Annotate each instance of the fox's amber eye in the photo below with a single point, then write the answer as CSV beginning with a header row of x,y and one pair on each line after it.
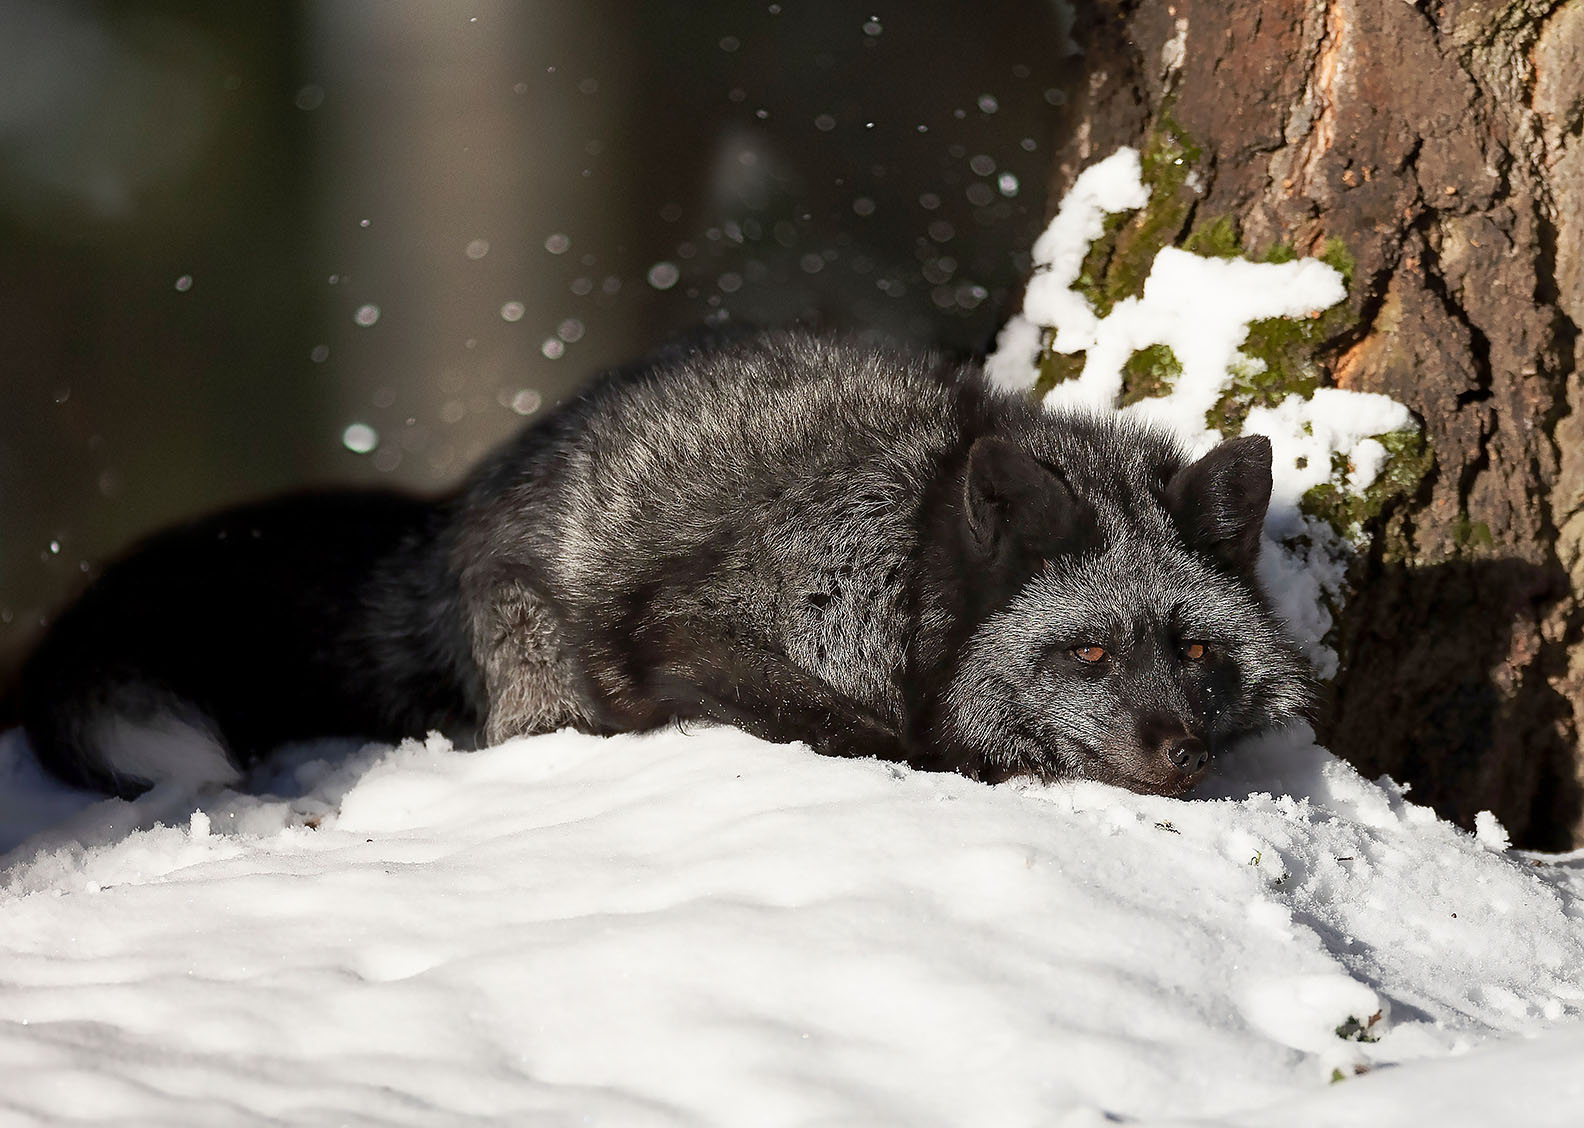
x,y
1090,654
1195,651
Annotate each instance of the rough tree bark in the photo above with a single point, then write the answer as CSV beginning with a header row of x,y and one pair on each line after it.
x,y
1434,149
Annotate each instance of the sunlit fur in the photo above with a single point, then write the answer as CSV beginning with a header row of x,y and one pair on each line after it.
x,y
859,547
774,534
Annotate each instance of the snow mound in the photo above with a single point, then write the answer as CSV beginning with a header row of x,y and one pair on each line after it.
x,y
701,928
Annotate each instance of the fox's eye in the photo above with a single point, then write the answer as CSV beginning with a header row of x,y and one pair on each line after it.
x,y
1090,654
1195,651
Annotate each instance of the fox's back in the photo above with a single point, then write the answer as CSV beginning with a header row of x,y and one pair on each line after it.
x,y
770,489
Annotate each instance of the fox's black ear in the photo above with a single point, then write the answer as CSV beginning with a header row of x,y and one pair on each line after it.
x,y
1219,502
1012,503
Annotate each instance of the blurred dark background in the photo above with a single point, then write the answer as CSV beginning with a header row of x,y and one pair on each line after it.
x,y
246,247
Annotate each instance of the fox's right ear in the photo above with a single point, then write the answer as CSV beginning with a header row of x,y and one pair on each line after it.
x,y
1219,502
1013,504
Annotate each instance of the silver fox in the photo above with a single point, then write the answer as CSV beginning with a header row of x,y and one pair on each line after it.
x,y
862,548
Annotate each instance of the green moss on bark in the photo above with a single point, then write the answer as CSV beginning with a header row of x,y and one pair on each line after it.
x,y
1120,260
1215,239
1149,372
1355,516
1286,346
1472,535
1056,368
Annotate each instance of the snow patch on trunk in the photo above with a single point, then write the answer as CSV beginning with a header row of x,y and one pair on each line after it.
x,y
1201,308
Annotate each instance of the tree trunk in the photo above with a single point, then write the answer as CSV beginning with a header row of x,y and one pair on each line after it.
x,y
1434,151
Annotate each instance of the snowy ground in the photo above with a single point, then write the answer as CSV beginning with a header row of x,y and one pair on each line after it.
x,y
700,928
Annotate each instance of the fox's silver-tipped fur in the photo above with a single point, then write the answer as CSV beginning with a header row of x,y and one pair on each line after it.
x,y
1140,603
819,540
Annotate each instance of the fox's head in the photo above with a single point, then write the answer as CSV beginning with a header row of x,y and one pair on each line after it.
x,y
1124,638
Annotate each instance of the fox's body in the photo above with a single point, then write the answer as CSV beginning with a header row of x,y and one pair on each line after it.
x,y
863,549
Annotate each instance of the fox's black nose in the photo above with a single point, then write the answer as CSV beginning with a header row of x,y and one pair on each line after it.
x,y
1189,754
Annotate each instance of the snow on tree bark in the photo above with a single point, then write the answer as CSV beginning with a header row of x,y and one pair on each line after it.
x,y
1436,148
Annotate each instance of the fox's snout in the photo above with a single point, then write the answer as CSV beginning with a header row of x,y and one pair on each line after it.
x,y
1188,754
1173,759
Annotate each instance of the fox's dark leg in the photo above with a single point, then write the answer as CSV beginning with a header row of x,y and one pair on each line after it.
x,y
528,679
829,731
774,700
